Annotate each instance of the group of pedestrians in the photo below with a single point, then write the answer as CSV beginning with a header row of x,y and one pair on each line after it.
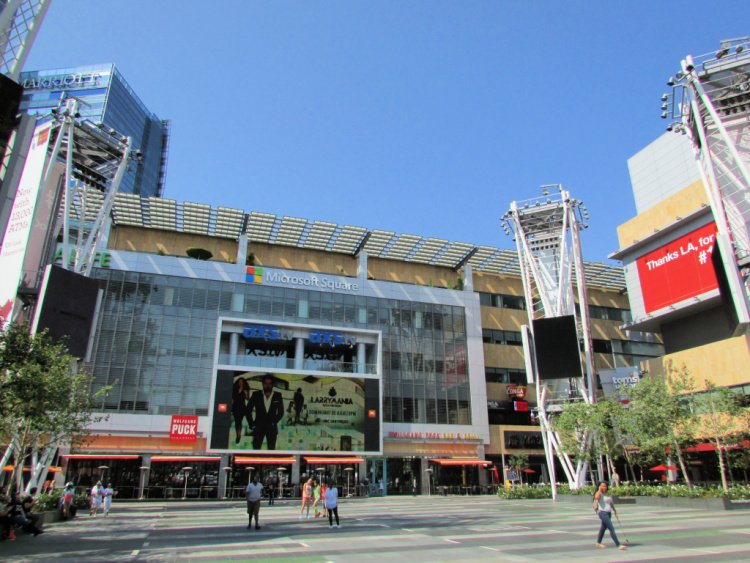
x,y
17,512
101,498
322,498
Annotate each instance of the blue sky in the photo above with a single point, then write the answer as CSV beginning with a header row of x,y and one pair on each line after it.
x,y
421,117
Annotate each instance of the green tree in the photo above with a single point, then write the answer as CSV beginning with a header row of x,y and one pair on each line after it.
x,y
44,400
661,415
722,420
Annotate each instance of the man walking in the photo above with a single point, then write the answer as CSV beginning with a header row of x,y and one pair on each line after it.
x,y
253,493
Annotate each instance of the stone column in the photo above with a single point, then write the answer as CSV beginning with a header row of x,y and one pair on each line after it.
x,y
223,466
144,477
361,357
299,354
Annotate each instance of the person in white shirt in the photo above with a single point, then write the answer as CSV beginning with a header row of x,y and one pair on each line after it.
x,y
332,504
96,498
107,493
253,493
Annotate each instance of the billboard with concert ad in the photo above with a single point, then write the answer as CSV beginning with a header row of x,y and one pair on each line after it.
x,y
259,411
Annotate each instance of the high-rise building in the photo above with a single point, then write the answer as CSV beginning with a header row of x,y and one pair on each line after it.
x,y
106,98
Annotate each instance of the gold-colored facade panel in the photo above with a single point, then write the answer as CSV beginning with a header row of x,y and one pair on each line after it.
x,y
684,202
169,243
723,363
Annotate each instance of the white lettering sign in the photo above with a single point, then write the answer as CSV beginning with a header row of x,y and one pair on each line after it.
x,y
309,280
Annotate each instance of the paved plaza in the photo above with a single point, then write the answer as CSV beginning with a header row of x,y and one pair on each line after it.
x,y
388,529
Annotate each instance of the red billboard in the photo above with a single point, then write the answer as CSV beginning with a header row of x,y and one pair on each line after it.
x,y
678,270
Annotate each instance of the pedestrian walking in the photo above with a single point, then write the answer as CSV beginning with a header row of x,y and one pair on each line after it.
x,y
604,506
331,502
316,498
307,498
253,493
273,484
107,495
96,498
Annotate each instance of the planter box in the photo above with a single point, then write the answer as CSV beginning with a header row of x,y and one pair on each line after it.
x,y
671,502
50,516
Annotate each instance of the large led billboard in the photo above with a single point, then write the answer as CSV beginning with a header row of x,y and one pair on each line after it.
x,y
678,270
557,350
295,413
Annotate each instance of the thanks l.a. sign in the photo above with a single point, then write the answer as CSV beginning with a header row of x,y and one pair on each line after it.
x,y
183,428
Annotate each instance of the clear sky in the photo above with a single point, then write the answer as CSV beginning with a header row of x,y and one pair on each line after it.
x,y
420,117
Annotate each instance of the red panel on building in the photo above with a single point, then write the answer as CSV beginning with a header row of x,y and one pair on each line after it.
x,y
183,428
678,270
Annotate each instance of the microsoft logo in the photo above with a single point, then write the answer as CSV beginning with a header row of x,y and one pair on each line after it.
x,y
254,274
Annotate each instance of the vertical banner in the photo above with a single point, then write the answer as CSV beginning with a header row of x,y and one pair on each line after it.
x,y
19,223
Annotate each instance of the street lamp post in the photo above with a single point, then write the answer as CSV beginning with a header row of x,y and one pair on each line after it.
x,y
348,474
429,481
186,470
227,476
144,469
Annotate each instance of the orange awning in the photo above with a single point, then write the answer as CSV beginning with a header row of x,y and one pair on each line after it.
x,y
334,460
244,460
462,461
51,469
167,458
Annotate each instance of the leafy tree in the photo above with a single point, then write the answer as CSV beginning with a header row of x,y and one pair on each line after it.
x,y
44,401
722,419
660,417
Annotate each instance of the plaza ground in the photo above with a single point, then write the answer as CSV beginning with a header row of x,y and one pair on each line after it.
x,y
456,528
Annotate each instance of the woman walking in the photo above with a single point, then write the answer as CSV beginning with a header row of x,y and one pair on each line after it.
x,y
307,493
604,506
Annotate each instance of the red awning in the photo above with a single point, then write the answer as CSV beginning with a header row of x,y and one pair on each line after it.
x,y
711,447
243,460
181,458
334,460
462,461
100,456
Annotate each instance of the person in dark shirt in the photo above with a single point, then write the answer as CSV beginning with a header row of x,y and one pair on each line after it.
x,y
18,516
265,410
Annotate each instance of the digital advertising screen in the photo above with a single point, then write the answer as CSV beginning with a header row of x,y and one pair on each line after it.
x,y
678,270
558,353
295,413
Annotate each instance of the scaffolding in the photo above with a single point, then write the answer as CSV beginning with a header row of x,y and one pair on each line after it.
x,y
709,102
547,235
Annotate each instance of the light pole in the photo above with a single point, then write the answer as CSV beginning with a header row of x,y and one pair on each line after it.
x,y
429,481
281,480
348,471
184,491
227,477
102,469
144,470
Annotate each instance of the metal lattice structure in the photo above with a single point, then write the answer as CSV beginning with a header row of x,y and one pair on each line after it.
x,y
19,23
95,161
547,235
710,99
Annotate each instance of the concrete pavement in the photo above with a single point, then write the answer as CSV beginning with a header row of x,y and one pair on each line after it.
x,y
399,529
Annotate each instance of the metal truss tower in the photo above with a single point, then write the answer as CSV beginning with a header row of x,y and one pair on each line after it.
x,y
19,23
87,162
95,161
710,103
547,235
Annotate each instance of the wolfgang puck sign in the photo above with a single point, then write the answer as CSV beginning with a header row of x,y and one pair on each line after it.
x,y
183,428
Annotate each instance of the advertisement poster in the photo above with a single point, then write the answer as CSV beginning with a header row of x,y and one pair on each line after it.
x,y
19,226
295,412
678,270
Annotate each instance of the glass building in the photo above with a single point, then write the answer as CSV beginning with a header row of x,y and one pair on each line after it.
x,y
415,339
105,97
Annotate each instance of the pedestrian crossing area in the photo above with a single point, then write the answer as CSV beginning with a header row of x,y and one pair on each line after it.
x,y
407,529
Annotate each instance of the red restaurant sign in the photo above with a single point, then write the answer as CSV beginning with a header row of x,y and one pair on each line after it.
x,y
183,428
678,270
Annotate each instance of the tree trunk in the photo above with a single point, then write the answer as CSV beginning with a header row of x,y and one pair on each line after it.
x,y
722,467
681,461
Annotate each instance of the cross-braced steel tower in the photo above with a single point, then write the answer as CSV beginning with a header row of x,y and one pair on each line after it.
x,y
19,23
710,101
547,235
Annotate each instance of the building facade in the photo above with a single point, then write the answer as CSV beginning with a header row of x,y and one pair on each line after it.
x,y
674,279
396,358
106,98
